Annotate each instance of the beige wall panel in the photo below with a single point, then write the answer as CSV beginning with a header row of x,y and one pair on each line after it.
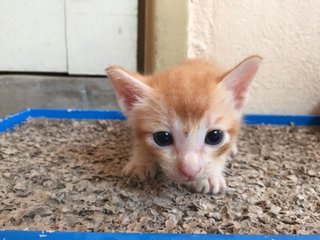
x,y
285,33
170,33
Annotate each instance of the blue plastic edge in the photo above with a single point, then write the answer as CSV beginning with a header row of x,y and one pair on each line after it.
x,y
77,114
50,235
10,121
299,120
17,118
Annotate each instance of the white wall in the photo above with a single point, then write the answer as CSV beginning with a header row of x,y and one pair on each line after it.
x,y
101,33
32,36
74,36
285,33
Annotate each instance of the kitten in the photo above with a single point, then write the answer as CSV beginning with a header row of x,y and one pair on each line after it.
x,y
185,120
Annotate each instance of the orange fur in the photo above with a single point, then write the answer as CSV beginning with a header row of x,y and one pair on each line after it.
x,y
187,101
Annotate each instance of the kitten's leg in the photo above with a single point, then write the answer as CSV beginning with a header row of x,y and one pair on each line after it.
x,y
140,166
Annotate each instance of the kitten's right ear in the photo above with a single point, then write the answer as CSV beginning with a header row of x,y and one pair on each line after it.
x,y
129,90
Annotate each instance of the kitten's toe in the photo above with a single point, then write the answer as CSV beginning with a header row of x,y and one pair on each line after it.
x,y
200,186
140,172
217,184
150,172
213,185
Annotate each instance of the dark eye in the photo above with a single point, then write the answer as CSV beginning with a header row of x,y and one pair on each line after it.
x,y
214,137
162,138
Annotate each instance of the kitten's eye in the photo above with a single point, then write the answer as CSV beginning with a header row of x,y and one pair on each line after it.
x,y
214,137
162,138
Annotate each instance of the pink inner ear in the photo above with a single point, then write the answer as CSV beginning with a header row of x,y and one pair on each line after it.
x,y
240,90
128,94
128,89
240,78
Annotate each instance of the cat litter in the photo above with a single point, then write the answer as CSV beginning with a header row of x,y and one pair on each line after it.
x,y
66,175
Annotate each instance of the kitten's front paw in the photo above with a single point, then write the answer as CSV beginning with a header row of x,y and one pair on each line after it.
x,y
140,171
212,184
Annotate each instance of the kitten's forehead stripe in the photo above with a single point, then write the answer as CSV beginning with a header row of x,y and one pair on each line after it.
x,y
188,89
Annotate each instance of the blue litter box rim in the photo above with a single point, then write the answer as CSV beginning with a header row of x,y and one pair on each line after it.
x,y
9,122
86,114
52,235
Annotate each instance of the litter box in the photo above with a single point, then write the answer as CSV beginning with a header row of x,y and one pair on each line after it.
x,y
20,117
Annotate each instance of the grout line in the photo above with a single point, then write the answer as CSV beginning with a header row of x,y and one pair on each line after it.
x,y
66,34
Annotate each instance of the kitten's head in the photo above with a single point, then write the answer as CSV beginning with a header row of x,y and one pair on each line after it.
x,y
185,118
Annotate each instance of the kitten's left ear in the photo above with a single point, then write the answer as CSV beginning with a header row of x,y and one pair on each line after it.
x,y
239,79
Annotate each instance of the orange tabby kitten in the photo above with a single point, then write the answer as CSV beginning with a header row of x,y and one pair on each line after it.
x,y
184,120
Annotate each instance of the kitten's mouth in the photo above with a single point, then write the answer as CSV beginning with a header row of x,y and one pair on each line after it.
x,y
191,179
182,179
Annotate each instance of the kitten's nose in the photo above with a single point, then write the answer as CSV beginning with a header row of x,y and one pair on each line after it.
x,y
189,167
189,171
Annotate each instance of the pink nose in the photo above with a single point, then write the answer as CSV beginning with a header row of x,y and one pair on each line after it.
x,y
189,164
189,170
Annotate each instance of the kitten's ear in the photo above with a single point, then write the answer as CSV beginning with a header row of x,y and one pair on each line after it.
x,y
239,78
129,89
